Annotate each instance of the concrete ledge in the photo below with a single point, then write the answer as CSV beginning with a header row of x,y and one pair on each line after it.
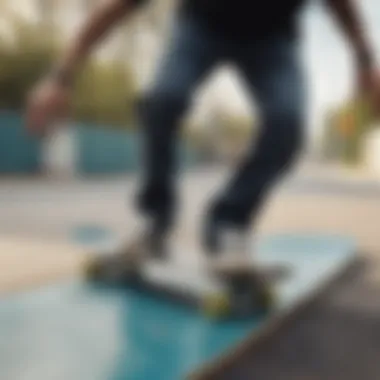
x,y
27,263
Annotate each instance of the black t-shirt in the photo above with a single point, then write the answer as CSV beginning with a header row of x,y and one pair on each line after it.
x,y
244,18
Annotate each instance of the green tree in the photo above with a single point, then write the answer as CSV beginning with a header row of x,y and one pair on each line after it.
x,y
26,59
346,128
104,93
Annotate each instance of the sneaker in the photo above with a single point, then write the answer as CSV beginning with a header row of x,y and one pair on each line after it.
x,y
148,242
227,249
122,261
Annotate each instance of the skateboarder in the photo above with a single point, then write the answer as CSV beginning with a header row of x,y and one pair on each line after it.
x,y
261,39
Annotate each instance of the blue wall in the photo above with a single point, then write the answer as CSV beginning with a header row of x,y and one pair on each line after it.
x,y
99,150
19,152
104,151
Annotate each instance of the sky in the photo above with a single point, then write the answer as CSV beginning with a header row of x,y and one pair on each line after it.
x,y
328,58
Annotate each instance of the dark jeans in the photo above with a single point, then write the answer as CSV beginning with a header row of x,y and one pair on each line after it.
x,y
273,76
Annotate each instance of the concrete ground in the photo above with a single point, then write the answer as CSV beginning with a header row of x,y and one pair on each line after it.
x,y
338,338
312,199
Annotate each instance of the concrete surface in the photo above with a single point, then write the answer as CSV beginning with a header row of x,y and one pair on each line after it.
x,y
27,263
310,200
336,339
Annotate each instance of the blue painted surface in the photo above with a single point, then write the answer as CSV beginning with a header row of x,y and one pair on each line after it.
x,y
91,234
80,332
102,150
19,152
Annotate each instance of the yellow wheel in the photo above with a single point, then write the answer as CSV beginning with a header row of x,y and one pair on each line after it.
x,y
216,305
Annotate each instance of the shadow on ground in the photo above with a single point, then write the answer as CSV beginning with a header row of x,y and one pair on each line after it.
x,y
336,338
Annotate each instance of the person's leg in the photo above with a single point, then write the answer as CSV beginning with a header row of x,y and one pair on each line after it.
x,y
191,55
273,74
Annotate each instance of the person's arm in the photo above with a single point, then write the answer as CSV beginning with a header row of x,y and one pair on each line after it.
x,y
347,16
107,15
49,99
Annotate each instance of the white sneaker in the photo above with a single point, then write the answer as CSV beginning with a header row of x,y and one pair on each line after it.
x,y
233,252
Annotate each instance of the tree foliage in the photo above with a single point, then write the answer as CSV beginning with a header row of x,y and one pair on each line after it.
x,y
346,128
104,92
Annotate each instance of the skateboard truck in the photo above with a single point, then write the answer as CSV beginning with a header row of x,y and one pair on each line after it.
x,y
117,267
247,290
227,291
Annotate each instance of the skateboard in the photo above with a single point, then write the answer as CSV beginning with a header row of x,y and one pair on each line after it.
x,y
231,290
248,289
139,336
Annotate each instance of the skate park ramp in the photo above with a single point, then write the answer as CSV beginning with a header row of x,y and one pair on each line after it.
x,y
74,330
34,262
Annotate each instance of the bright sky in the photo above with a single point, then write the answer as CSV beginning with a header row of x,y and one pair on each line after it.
x,y
328,58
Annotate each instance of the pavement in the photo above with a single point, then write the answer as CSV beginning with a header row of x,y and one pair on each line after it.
x,y
337,338
312,199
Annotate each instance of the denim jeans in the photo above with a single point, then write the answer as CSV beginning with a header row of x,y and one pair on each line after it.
x,y
272,74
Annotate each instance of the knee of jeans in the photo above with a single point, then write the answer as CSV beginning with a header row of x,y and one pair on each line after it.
x,y
163,105
288,127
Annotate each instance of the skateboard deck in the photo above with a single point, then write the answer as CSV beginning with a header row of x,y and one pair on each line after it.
x,y
225,289
101,333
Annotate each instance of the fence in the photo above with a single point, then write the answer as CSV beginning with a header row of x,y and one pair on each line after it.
x,y
19,152
96,149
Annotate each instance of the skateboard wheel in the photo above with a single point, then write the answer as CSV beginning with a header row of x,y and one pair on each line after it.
x,y
216,306
267,299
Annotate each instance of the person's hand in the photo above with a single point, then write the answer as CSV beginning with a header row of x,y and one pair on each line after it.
x,y
369,87
47,103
